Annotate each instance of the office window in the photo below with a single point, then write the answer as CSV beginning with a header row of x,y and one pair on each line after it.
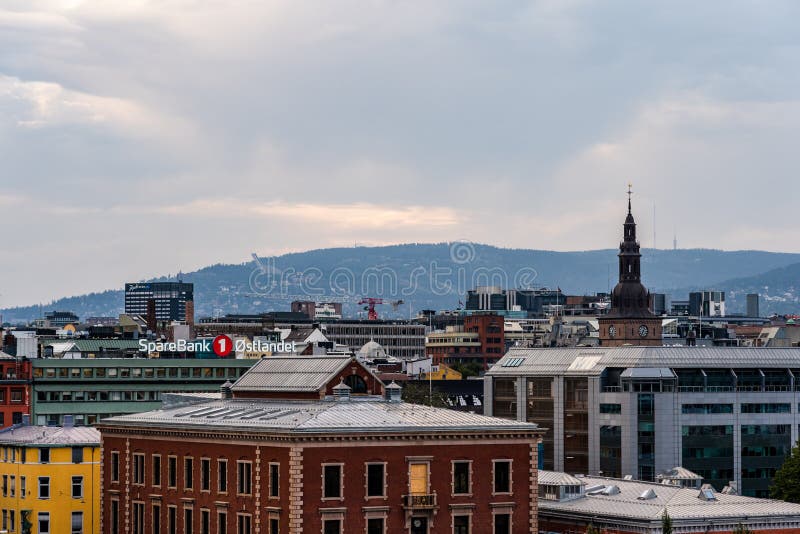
x,y
222,522
376,480
5,485
332,481
44,523
13,486
138,518
332,526
77,455
461,524
44,456
502,476
188,516
157,470
244,478
502,524
12,520
156,519
222,476
23,488
188,473
243,522
205,474
172,520
114,517
274,526
274,480
205,522
375,526
172,472
5,520
138,468
44,487
461,482
114,465
77,487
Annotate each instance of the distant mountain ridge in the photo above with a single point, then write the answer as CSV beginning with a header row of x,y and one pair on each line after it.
x,y
436,276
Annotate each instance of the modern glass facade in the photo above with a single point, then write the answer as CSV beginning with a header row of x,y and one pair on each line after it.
x,y
645,436
611,451
540,405
576,425
504,398
764,449
708,451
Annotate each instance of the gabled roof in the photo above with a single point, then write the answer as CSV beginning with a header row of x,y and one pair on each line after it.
x,y
307,374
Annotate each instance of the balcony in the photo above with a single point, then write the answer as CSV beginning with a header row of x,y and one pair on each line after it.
x,y
420,501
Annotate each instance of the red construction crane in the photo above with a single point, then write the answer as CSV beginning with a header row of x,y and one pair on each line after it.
x,y
372,314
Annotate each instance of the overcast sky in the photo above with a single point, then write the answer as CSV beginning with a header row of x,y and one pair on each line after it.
x,y
141,138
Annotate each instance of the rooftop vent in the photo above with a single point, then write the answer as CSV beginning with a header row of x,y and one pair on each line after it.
x,y
595,490
647,495
226,391
707,494
393,392
341,392
729,490
611,490
627,477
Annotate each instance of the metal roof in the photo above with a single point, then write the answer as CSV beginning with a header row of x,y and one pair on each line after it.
x,y
367,415
50,436
291,373
592,361
680,504
94,345
557,478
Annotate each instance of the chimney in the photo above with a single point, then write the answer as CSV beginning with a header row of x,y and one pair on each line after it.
x,y
69,422
393,393
150,317
189,306
226,391
341,393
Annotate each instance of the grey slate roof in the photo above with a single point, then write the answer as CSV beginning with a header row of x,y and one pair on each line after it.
x,y
367,415
591,361
50,436
680,503
291,373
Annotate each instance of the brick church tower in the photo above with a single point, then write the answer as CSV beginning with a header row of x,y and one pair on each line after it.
x,y
630,321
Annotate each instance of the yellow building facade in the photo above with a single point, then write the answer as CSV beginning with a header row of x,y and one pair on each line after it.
x,y
49,480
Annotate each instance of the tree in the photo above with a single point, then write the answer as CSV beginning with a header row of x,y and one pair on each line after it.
x,y
468,369
591,529
786,484
419,394
666,523
741,529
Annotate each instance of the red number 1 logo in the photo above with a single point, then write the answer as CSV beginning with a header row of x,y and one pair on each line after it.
x,y
223,345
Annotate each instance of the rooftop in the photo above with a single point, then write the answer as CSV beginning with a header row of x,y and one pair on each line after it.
x,y
680,503
365,415
306,374
52,436
590,361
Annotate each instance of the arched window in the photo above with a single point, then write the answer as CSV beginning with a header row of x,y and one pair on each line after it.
x,y
356,384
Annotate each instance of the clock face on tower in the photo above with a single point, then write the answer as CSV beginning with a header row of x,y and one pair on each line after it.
x,y
612,331
643,331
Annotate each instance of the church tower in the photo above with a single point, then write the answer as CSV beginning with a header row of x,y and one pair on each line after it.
x,y
630,321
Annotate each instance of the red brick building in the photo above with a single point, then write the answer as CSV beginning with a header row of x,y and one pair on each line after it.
x,y
480,340
341,463
15,389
